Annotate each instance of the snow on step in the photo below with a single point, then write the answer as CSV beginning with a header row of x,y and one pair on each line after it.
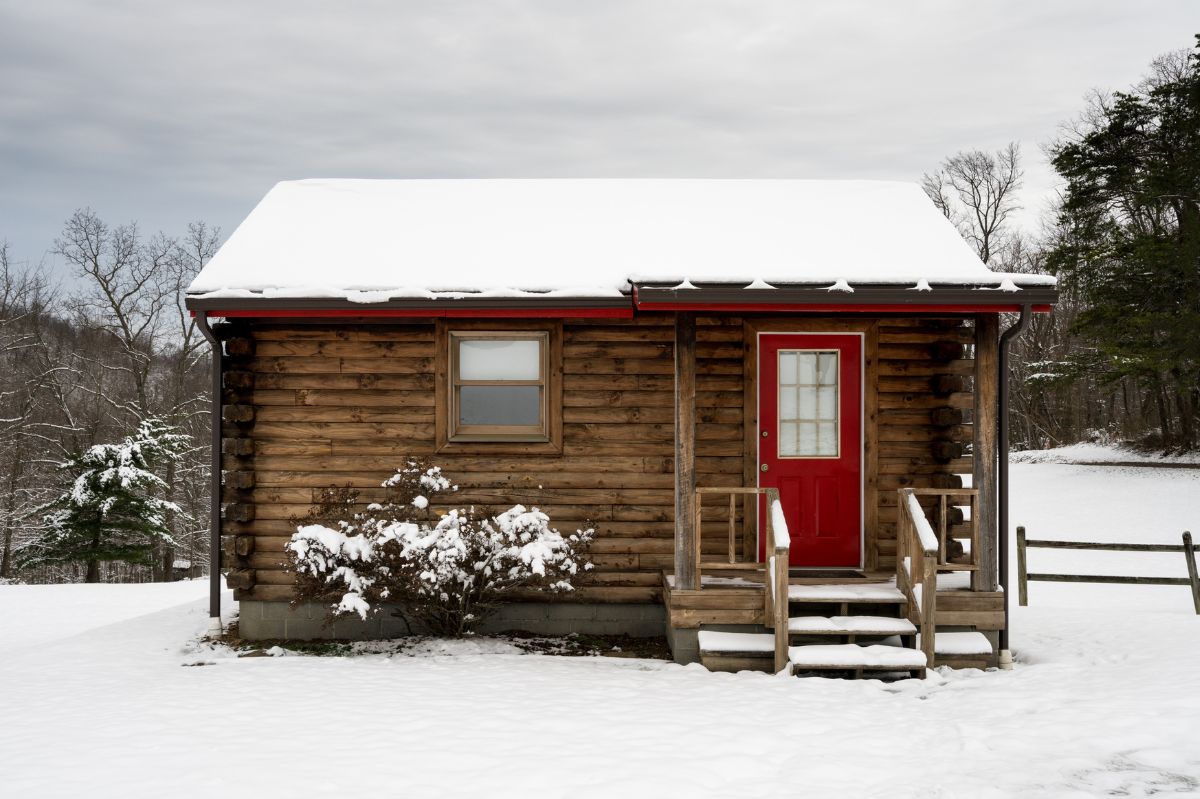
x,y
853,656
845,592
712,641
850,625
970,643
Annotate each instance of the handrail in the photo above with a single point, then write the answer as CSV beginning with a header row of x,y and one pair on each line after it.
x,y
777,548
779,544
917,549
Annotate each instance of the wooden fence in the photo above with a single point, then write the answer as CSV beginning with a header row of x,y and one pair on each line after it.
x,y
1187,548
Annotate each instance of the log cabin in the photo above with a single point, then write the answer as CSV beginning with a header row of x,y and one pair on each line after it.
x,y
780,403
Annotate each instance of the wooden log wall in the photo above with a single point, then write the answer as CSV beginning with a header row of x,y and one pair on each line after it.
x,y
313,406
925,369
310,406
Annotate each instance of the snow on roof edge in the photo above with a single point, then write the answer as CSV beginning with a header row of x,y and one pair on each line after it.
x,y
436,239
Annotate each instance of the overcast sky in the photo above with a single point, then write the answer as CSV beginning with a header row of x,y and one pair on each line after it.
x,y
167,111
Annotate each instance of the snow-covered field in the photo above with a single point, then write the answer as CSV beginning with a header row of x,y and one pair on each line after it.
x,y
101,695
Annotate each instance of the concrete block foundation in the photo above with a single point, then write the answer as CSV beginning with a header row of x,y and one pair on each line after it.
x,y
259,620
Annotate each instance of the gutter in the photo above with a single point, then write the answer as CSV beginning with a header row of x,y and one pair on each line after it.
x,y
214,529
1002,473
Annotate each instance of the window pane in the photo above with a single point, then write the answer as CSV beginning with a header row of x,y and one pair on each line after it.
x,y
826,402
499,359
828,369
787,403
808,402
787,368
827,438
808,368
500,405
788,445
808,439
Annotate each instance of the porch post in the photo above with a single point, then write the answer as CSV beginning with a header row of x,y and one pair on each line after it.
x,y
686,534
983,456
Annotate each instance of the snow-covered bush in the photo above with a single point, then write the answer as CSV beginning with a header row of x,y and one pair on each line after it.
x,y
446,571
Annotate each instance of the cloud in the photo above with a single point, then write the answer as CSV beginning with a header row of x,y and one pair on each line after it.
x,y
169,112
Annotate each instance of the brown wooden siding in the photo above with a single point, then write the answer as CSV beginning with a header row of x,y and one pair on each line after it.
x,y
345,405
318,405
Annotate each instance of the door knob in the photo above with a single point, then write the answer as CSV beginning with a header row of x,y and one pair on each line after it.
x,y
763,467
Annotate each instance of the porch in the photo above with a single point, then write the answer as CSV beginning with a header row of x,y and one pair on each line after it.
x,y
758,614
925,589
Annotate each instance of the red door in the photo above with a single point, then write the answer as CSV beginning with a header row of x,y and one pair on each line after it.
x,y
810,442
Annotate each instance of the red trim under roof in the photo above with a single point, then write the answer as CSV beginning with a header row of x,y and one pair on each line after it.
x,y
611,313
486,313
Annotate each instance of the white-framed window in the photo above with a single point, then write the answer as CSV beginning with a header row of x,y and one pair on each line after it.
x,y
809,420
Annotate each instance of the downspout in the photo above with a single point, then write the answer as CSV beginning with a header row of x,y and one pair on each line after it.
x,y
214,522
1002,472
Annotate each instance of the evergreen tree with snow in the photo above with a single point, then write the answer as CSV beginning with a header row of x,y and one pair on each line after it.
x,y
111,510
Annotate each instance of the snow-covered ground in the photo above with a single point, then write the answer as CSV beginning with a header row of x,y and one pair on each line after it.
x,y
102,693
1095,453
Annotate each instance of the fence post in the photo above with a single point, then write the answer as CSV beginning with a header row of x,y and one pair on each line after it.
x,y
1022,583
1189,552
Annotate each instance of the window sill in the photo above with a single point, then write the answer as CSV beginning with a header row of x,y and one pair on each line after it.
x,y
500,447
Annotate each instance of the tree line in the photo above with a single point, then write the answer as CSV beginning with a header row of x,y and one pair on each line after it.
x,y
86,367
112,374
1119,359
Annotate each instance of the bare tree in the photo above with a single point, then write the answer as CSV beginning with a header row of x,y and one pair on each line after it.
x,y
976,191
25,373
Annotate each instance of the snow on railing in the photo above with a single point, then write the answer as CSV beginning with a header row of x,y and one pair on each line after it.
x,y
917,568
783,539
928,539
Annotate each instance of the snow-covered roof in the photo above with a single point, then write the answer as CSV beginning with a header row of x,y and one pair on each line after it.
x,y
379,240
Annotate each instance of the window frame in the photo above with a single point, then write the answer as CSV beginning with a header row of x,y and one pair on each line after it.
x,y
450,436
837,401
498,432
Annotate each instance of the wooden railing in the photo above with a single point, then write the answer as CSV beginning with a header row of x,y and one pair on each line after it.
x,y
943,526
1186,547
917,550
732,549
777,550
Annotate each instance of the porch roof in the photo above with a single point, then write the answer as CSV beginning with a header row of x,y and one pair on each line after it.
x,y
315,245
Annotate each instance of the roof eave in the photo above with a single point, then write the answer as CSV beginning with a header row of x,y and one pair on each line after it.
x,y
415,306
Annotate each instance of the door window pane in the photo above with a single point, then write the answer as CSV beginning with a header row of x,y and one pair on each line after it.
x,y
808,404
787,368
826,402
808,368
499,359
827,438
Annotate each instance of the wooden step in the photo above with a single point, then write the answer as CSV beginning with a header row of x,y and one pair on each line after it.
x,y
850,625
853,593
719,643
848,657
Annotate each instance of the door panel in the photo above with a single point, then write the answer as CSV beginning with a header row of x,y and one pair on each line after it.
x,y
810,442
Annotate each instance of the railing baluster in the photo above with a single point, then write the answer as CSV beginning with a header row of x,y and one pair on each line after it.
x,y
732,528
942,557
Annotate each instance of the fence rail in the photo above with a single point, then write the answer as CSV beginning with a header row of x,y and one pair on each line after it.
x,y
1024,577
